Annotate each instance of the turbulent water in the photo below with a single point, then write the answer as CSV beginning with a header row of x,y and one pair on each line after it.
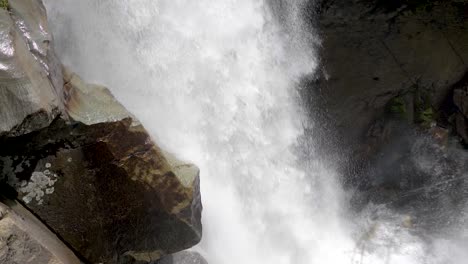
x,y
216,83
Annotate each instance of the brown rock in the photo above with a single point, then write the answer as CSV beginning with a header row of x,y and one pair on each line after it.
x,y
441,135
80,162
104,186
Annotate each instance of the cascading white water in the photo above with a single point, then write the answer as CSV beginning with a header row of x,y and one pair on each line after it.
x,y
214,82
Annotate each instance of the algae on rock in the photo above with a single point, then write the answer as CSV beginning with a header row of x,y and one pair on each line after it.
x,y
4,4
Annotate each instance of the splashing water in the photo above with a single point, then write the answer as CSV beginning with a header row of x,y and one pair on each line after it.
x,y
214,82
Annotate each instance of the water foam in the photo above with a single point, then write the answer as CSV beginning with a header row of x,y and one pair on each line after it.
x,y
214,82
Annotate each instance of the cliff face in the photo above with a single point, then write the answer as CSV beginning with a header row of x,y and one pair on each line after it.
x,y
73,156
393,86
373,51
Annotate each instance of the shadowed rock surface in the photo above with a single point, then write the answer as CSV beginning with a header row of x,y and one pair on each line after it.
x,y
392,91
373,51
460,113
105,189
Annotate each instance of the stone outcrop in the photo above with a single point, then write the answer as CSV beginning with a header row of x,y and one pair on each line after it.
x,y
389,68
24,240
28,100
373,51
80,162
106,189
184,257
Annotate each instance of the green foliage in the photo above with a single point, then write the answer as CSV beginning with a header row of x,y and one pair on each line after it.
x,y
424,112
426,117
4,4
397,107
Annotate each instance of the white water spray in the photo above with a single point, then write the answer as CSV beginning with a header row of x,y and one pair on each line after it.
x,y
214,82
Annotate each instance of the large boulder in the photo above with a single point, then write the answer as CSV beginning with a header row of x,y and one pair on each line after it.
x,y
80,162
100,182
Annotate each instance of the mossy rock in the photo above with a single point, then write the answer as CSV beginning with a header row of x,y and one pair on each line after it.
x,y
4,4
397,107
426,117
424,112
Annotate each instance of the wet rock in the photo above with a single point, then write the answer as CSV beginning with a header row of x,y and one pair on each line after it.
x,y
78,160
89,103
459,114
440,135
31,20
461,126
375,50
24,240
184,257
460,98
104,186
28,100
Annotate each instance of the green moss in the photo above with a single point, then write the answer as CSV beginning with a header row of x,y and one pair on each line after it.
x,y
4,4
421,5
397,107
424,112
426,117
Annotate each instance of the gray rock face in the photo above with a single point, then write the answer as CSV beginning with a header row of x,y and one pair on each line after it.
x,y
23,240
460,99
91,104
184,257
375,50
388,73
31,19
28,100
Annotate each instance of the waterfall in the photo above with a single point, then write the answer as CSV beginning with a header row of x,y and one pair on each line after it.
x,y
215,82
